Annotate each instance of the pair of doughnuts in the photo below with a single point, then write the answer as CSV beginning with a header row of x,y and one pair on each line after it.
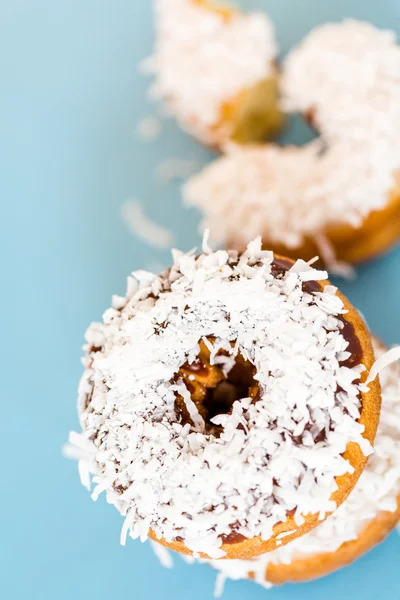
x,y
224,405
337,197
367,516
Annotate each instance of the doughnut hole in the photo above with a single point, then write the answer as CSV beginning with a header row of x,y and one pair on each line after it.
x,y
213,392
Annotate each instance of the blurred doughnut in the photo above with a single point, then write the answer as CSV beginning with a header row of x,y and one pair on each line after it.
x,y
215,69
339,195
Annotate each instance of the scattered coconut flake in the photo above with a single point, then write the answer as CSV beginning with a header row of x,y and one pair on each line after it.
x,y
327,251
149,129
382,362
219,585
163,555
127,525
176,168
141,226
206,239
147,65
72,452
84,474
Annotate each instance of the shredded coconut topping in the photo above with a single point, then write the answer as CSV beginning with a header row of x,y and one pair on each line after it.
x,y
346,77
204,59
275,453
377,490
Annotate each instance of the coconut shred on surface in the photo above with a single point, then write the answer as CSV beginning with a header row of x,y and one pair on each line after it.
x,y
196,71
140,225
376,491
347,77
178,479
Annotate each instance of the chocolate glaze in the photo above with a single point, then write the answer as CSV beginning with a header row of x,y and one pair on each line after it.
x,y
279,268
311,287
232,538
354,346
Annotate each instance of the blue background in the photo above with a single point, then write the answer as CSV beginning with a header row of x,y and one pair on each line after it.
x,y
70,102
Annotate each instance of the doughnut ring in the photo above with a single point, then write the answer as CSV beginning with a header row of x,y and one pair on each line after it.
x,y
337,196
179,377
216,94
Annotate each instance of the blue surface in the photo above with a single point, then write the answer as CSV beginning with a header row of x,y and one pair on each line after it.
x,y
69,157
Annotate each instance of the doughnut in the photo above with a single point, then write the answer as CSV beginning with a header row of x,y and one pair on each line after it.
x,y
368,515
214,93
339,195
224,405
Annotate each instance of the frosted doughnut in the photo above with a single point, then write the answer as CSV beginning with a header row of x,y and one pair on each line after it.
x,y
185,460
364,519
215,70
338,194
